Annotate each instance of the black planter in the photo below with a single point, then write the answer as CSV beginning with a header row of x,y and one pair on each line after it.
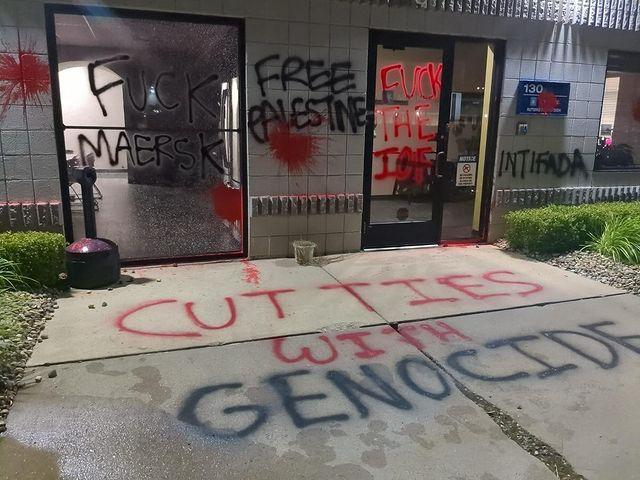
x,y
92,263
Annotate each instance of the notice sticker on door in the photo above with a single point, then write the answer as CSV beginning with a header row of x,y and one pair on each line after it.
x,y
466,171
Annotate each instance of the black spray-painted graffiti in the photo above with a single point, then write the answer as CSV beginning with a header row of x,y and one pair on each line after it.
x,y
188,151
192,89
302,112
524,162
413,372
283,383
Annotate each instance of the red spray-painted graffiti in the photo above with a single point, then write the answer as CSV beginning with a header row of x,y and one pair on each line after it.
x,y
227,202
291,148
490,284
636,110
23,78
323,349
433,71
405,122
411,163
120,321
251,272
547,101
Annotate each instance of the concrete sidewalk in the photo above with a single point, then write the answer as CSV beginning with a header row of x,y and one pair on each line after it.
x,y
371,403
168,308
568,373
263,410
520,371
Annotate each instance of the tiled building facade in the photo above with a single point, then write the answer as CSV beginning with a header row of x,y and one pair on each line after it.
x,y
338,32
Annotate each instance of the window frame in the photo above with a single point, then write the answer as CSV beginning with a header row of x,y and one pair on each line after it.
x,y
618,61
50,11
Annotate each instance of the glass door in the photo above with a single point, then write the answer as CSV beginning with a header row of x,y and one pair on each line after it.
x,y
406,139
433,103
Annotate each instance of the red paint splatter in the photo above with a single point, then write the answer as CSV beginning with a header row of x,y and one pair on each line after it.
x,y
293,149
636,110
24,78
251,272
547,101
227,202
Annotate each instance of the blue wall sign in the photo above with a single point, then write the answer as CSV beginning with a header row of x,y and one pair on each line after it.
x,y
543,98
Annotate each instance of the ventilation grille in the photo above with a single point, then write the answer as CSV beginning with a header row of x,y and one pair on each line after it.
x,y
31,216
532,197
306,204
618,14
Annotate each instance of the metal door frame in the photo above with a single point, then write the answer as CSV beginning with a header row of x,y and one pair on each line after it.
x,y
392,236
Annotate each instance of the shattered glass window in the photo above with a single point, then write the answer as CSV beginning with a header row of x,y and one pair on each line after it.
x,y
154,106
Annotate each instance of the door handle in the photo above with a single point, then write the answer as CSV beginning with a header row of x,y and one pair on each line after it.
x,y
440,156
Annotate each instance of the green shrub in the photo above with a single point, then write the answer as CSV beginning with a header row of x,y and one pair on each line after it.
x,y
38,255
11,277
619,240
562,228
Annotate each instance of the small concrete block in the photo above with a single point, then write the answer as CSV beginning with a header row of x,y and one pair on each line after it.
x,y
29,216
15,216
265,205
4,217
322,204
43,214
351,202
312,205
295,205
256,209
55,209
331,204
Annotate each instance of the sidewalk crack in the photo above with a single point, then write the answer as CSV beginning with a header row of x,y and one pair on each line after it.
x,y
530,443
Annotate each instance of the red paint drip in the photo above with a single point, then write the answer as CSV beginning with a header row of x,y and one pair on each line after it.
x,y
636,110
22,79
251,272
227,202
547,101
293,149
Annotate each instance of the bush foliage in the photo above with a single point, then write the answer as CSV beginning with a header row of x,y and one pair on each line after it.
x,y
38,255
562,228
619,240
12,279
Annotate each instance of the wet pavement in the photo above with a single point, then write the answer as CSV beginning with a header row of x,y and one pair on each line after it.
x,y
350,410
397,385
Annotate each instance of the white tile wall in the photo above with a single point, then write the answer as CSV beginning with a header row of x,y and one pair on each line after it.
x,y
336,30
